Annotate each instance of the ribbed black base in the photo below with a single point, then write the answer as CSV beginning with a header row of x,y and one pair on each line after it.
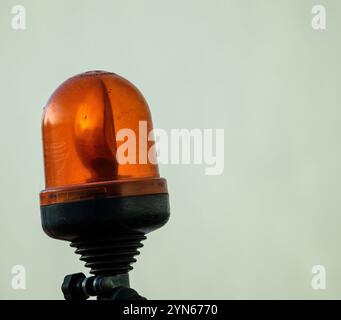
x,y
112,256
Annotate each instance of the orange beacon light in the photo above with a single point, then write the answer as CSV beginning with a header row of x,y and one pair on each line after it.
x,y
102,190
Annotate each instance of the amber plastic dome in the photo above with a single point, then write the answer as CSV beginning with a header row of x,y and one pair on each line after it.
x,y
80,126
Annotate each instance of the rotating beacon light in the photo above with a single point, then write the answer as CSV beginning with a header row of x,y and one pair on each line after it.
x,y
103,206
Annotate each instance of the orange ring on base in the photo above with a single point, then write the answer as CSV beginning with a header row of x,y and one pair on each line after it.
x,y
106,189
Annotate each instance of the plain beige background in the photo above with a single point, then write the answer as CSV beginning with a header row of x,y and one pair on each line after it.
x,y
255,68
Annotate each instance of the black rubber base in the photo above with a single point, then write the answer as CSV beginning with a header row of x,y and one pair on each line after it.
x,y
106,232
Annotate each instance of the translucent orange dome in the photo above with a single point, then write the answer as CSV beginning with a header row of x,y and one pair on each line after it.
x,y
80,126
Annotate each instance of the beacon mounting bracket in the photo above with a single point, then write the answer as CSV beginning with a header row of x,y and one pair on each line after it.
x,y
78,287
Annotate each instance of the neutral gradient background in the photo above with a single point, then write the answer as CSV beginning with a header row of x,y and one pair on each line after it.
x,y
255,68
